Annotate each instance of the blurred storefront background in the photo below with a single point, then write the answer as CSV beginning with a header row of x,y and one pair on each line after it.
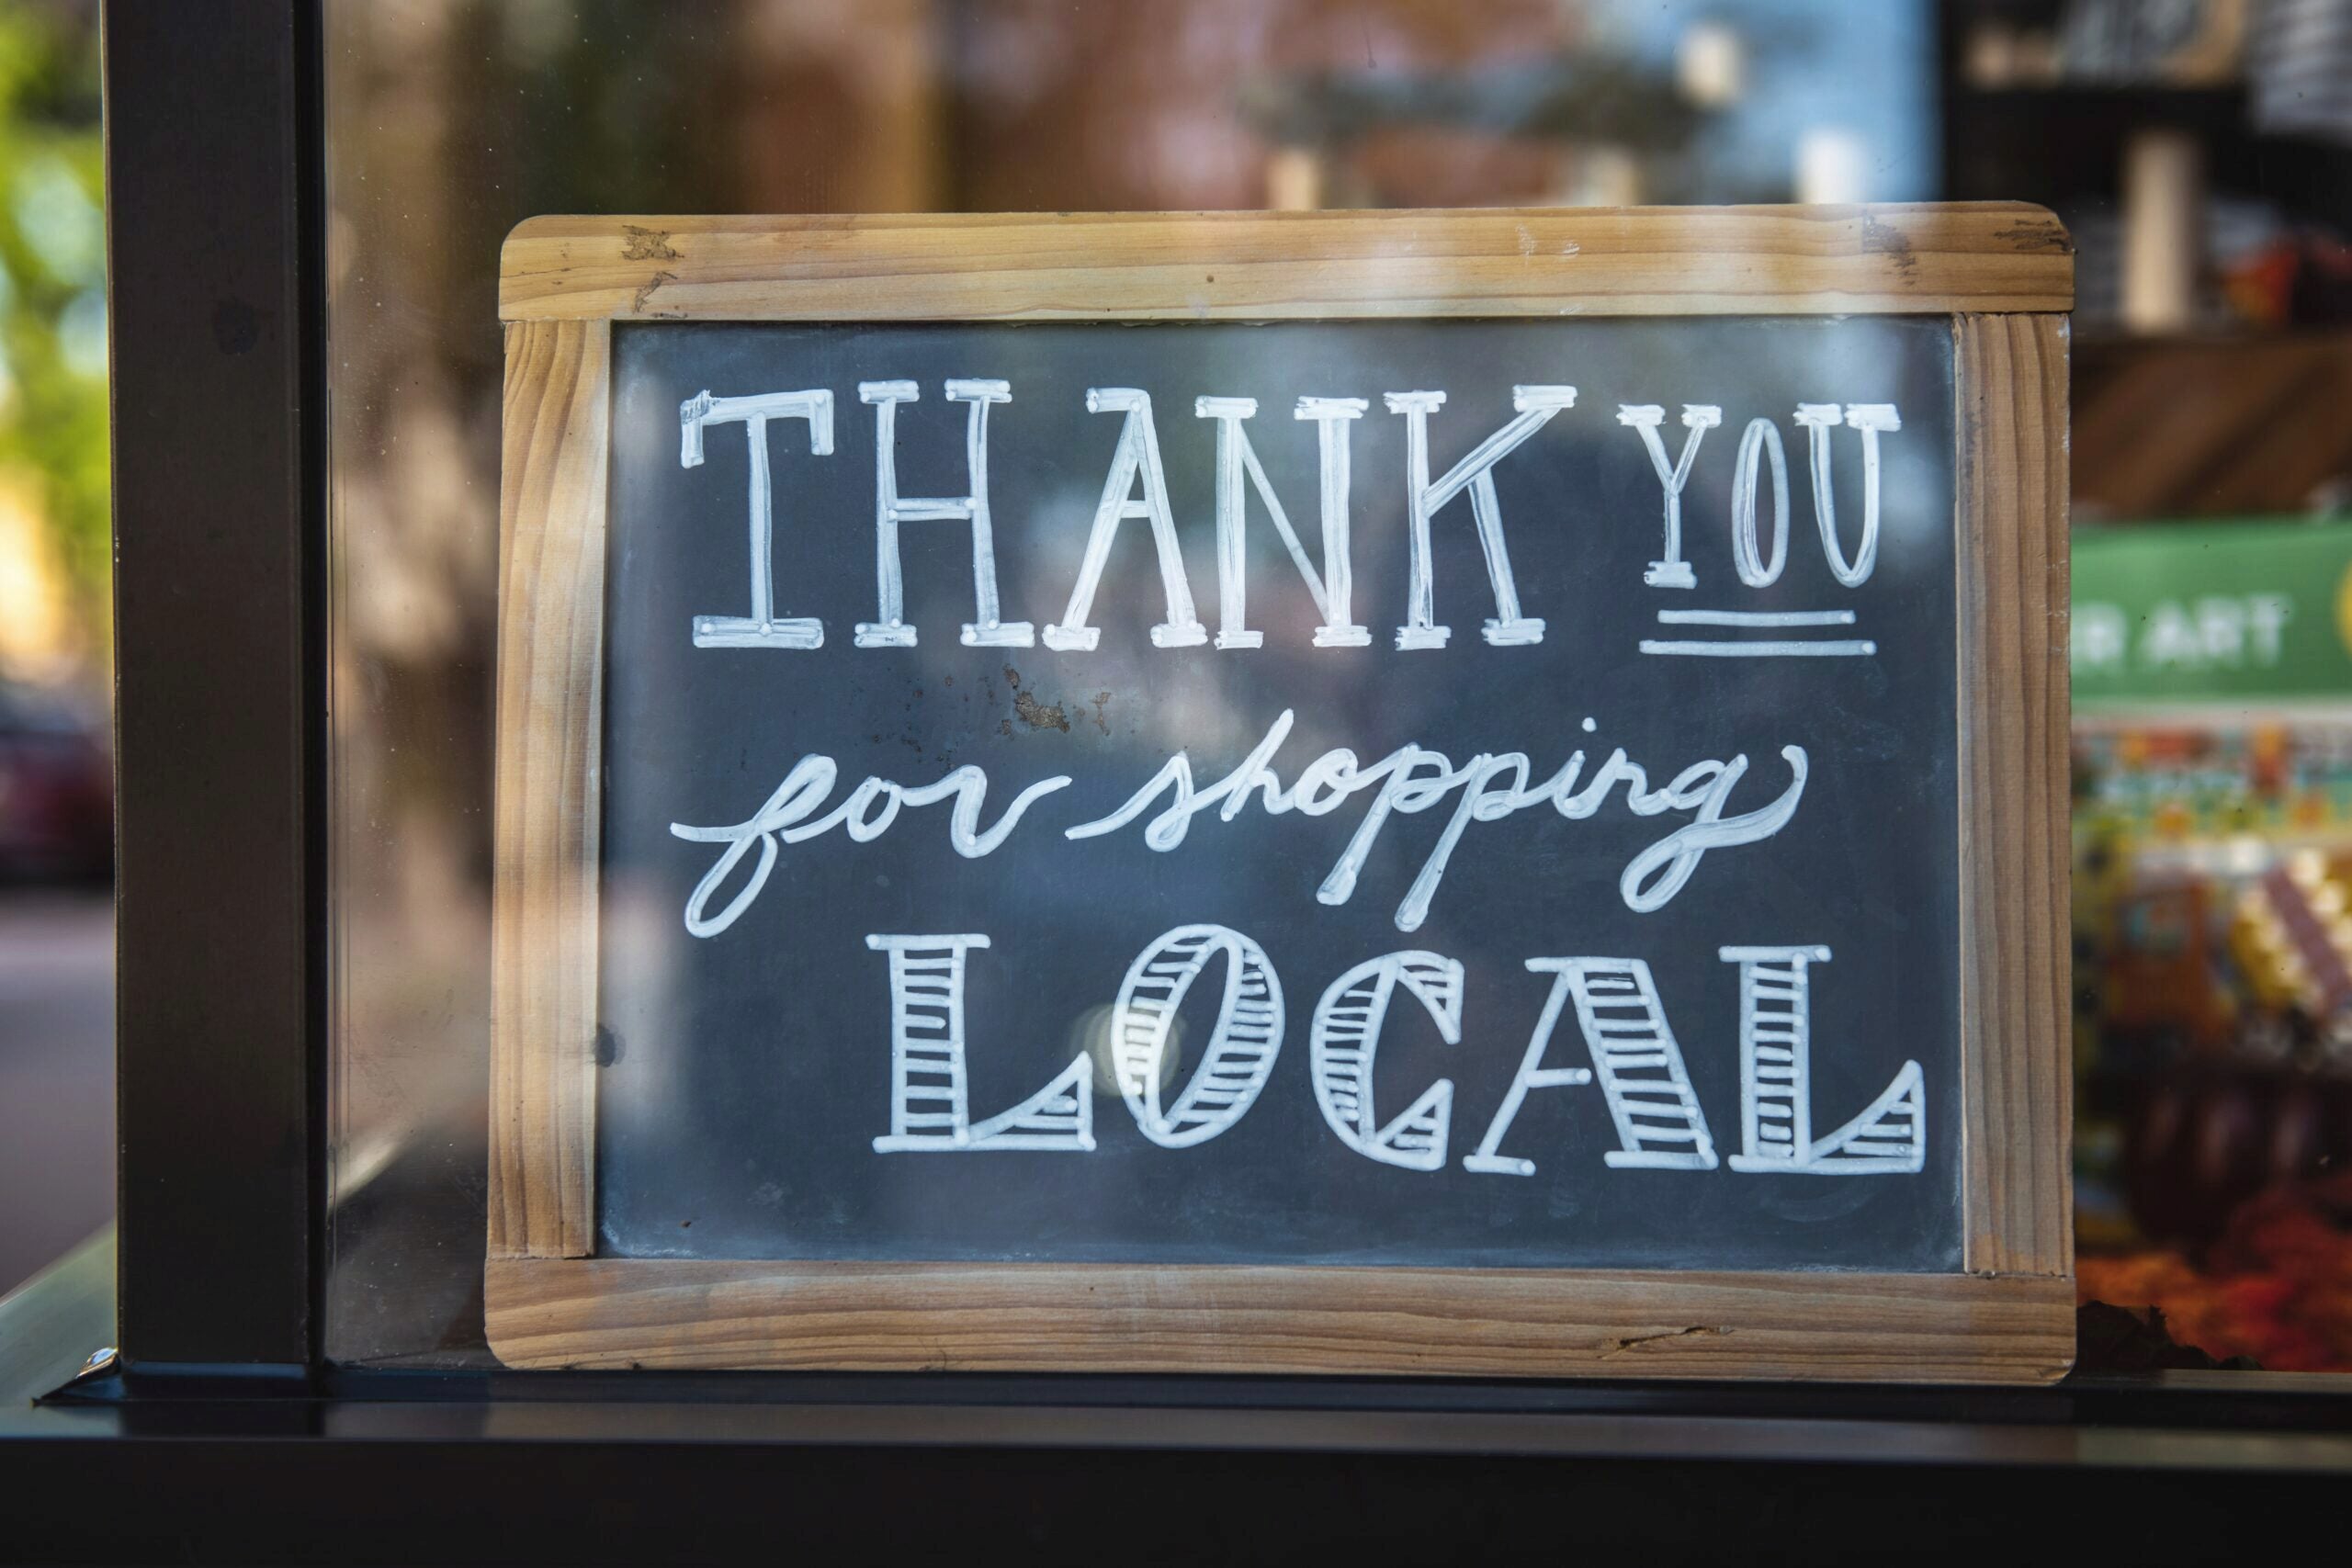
x,y
53,521
2199,150
56,795
2201,153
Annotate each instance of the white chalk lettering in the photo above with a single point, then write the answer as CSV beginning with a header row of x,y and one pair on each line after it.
x,y
1475,473
1413,778
1670,570
1889,1138
1532,1075
760,628
804,789
1242,1045
1762,437
1636,1061
930,1096
1871,420
1344,1039
889,628
1236,459
1137,458
1499,819
1660,1125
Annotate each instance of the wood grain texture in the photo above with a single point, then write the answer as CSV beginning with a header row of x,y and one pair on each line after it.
x,y
2016,1081
2198,427
551,717
996,1317
1267,265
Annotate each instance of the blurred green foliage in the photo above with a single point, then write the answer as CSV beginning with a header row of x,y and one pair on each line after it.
x,y
53,282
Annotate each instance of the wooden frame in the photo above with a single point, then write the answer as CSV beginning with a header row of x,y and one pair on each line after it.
x,y
2002,273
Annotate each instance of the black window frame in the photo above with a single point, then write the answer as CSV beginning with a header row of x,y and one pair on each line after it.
x,y
215,225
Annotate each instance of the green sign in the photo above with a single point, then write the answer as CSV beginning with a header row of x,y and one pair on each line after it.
x,y
2180,612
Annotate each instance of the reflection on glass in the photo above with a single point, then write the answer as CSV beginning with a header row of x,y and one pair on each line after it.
x,y
2204,182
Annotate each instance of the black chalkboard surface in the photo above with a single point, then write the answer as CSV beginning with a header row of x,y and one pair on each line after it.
x,y
1684,817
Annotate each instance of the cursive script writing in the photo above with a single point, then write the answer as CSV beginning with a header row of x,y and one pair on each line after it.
x,y
1408,780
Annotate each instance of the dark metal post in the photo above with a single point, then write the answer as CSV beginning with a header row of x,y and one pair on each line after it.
x,y
212,163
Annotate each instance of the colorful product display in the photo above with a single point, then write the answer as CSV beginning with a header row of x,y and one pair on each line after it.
x,y
2213,934
2214,940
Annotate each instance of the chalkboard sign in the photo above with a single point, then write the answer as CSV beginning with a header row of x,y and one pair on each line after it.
x,y
1362,793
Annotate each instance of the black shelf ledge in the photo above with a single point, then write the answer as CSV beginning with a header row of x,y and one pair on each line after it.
x,y
280,1464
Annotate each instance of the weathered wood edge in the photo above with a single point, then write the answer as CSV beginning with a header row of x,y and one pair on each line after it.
x,y
1923,259
2009,379
625,1313
550,723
